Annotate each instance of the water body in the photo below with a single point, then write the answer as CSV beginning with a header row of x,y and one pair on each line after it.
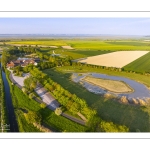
x,y
140,90
69,36
9,106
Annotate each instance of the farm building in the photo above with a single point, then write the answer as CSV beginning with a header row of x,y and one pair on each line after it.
x,y
22,62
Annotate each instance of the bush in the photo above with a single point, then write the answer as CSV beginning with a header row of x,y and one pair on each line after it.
x,y
42,105
24,90
58,111
111,127
33,117
142,102
31,95
124,100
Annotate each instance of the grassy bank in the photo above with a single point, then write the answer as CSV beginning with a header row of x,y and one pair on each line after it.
x,y
134,117
3,110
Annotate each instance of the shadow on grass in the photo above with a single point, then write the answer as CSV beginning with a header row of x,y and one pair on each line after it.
x,y
134,117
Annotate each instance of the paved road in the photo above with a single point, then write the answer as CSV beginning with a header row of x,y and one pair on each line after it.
x,y
73,118
47,97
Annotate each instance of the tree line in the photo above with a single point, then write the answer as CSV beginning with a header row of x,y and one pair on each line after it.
x,y
68,100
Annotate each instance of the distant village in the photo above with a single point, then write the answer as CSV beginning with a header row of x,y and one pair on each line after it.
x,y
23,62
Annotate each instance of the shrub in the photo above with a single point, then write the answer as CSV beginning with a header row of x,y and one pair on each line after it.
x,y
58,111
42,105
24,90
111,127
134,101
33,117
124,100
142,102
31,95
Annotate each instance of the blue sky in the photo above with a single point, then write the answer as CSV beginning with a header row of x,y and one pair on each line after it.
x,y
115,26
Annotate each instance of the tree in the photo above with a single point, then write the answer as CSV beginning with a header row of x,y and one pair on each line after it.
x,y
111,127
31,95
5,58
24,90
58,111
33,117
42,105
75,107
30,83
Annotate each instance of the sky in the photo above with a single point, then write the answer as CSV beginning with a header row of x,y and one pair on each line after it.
x,y
111,26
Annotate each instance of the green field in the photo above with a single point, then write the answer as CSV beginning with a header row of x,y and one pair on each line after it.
x,y
109,110
109,45
90,44
140,65
75,54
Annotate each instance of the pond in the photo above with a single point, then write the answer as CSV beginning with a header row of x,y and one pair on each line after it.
x,y
140,90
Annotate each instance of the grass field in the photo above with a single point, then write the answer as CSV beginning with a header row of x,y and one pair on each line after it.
x,y
90,44
131,116
109,45
110,85
140,65
82,54
90,53
75,54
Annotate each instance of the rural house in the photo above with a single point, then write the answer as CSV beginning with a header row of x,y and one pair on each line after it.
x,y
22,62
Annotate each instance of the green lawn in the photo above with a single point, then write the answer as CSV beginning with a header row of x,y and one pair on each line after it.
x,y
132,116
140,65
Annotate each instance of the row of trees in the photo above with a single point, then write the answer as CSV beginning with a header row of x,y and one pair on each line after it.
x,y
70,101
96,66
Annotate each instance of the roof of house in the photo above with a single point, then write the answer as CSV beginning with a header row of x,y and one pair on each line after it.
x,y
22,62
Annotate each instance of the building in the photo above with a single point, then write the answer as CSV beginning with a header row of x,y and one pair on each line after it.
x,y
14,63
22,62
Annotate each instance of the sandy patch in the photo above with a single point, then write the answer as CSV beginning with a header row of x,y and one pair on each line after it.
x,y
114,59
67,47
111,85
53,46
